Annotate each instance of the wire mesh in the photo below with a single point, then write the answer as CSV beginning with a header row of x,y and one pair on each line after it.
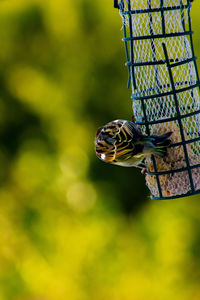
x,y
165,89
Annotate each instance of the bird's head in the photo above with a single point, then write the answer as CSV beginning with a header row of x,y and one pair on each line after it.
x,y
114,141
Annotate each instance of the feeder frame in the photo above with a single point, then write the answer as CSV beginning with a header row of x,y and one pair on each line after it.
x,y
170,64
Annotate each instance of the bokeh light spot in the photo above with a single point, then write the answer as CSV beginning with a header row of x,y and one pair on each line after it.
x,y
81,196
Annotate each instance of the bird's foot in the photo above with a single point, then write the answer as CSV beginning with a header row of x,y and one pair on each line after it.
x,y
144,171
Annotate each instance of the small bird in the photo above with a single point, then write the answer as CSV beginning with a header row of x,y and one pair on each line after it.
x,y
122,142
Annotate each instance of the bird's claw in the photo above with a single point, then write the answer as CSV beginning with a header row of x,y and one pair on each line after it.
x,y
144,171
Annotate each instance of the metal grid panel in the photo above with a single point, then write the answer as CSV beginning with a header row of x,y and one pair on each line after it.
x,y
165,88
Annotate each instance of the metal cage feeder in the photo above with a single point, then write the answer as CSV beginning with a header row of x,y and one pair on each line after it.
x,y
165,89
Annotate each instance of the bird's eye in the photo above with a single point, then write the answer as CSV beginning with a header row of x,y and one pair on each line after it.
x,y
110,140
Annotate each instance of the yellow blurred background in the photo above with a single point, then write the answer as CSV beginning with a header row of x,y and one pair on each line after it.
x,y
72,227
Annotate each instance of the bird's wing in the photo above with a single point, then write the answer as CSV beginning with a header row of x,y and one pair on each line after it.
x,y
124,146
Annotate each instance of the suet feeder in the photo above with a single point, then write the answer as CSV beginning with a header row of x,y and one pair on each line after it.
x,y
165,89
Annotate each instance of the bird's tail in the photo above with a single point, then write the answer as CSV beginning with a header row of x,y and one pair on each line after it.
x,y
158,144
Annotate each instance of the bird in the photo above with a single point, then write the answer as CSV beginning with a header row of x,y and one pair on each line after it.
x,y
122,143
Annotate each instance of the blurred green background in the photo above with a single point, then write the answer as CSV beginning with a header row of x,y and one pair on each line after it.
x,y
72,227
